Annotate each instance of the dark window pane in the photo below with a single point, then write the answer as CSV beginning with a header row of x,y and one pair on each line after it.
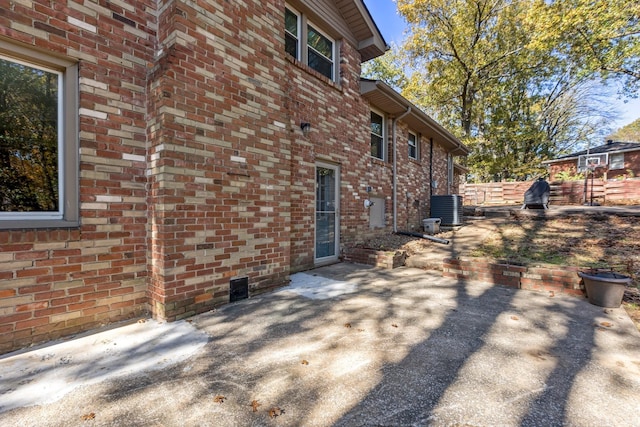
x,y
325,235
320,43
376,147
412,152
291,46
376,124
413,146
320,64
28,138
291,22
377,129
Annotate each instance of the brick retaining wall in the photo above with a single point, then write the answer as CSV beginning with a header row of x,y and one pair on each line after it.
x,y
552,278
381,259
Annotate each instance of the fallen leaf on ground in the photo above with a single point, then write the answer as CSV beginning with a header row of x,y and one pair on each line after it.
x,y
254,405
347,325
142,321
552,294
540,355
275,412
305,362
360,330
514,318
89,416
394,325
219,398
606,324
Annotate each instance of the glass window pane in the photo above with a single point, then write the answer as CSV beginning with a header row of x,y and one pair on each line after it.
x,y
28,138
320,64
376,124
376,147
320,43
377,141
413,146
291,22
616,161
325,235
291,46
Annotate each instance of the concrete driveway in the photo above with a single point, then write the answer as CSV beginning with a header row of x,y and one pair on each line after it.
x,y
347,345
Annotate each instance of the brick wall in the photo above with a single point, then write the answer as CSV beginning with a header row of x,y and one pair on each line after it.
x,y
541,278
55,282
193,168
631,168
381,259
220,155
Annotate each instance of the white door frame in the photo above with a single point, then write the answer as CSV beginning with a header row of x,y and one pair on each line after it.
x,y
332,257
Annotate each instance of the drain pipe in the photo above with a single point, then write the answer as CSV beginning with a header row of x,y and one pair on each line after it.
x,y
430,173
395,169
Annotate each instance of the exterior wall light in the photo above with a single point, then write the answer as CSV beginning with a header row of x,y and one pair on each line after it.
x,y
306,128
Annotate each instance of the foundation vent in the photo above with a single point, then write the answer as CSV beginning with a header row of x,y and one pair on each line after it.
x,y
238,289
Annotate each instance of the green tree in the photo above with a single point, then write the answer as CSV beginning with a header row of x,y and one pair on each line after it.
x,y
481,68
388,68
28,138
459,49
598,37
628,133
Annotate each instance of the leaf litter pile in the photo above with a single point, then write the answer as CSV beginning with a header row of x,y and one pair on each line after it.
x,y
587,241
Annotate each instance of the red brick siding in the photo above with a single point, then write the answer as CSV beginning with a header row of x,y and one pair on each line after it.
x,y
56,282
631,168
220,155
193,168
552,278
380,259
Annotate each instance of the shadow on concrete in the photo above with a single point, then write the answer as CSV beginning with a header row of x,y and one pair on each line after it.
x,y
408,348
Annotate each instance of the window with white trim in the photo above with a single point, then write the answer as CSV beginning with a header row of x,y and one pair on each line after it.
x,y
38,139
292,33
320,49
413,146
377,135
616,161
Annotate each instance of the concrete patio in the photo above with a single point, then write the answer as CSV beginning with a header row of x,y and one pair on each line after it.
x,y
346,345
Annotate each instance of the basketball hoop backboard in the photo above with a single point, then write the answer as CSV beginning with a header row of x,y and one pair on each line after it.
x,y
592,161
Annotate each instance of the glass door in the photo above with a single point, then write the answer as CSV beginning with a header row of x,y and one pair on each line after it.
x,y
327,216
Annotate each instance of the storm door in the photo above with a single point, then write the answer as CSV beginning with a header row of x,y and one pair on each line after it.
x,y
327,212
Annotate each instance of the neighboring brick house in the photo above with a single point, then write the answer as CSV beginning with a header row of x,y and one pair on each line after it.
x,y
612,160
198,145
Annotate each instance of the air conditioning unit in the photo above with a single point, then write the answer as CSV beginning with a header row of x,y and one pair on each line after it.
x,y
448,208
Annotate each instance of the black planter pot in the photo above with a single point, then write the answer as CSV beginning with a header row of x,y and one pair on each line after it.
x,y
605,288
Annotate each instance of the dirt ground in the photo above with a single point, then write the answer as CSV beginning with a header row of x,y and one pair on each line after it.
x,y
586,241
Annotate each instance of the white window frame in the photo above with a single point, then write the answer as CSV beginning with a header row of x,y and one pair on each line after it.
x,y
303,42
616,161
67,214
384,134
414,145
333,49
299,36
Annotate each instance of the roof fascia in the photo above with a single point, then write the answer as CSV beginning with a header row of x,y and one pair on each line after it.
x,y
371,86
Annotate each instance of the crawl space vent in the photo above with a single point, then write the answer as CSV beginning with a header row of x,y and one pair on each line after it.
x,y
239,289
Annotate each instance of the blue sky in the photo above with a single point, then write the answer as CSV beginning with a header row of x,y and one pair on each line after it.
x,y
391,26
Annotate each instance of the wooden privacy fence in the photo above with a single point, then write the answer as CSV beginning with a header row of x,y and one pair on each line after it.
x,y
562,192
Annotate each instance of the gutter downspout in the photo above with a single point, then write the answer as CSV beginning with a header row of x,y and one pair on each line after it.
x,y
430,169
395,169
